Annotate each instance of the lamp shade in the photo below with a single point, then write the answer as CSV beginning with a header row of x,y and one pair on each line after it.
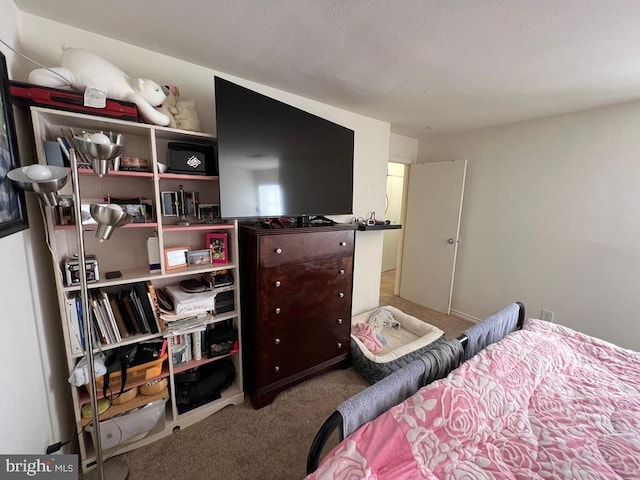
x,y
45,180
109,217
100,150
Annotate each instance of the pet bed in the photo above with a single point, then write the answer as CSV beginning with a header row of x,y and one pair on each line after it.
x,y
403,344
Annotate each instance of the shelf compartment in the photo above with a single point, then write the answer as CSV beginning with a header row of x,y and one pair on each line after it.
x,y
84,397
183,367
168,228
141,337
93,226
232,395
138,401
128,276
205,320
116,173
209,267
186,176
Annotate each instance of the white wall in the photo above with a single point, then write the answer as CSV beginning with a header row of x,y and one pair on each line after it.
x,y
24,404
552,217
402,149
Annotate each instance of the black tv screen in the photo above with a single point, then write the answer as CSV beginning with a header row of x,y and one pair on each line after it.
x,y
276,160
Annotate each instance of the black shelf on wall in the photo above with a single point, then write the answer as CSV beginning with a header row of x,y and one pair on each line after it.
x,y
382,226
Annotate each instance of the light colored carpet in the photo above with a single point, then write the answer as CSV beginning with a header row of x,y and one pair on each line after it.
x,y
240,443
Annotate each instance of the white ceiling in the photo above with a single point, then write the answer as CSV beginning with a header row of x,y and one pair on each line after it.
x,y
449,65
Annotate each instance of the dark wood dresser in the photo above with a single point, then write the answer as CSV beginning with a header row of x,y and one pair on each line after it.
x,y
296,305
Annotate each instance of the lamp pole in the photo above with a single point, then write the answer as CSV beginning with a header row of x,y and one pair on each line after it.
x,y
86,321
115,469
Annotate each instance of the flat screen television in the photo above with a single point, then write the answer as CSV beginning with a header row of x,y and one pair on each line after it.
x,y
276,160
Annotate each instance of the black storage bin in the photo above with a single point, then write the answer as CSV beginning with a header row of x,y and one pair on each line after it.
x,y
201,385
193,159
225,302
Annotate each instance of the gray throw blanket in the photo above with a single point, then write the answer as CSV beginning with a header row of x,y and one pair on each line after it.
x,y
395,388
491,329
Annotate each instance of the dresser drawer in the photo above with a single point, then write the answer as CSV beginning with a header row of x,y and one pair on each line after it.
x,y
293,352
280,310
306,279
302,319
278,250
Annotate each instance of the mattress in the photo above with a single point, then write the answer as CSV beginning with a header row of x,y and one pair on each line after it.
x,y
402,346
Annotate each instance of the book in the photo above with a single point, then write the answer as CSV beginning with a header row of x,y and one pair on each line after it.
x,y
139,312
100,327
153,298
142,293
75,342
78,301
196,345
107,312
115,308
127,314
126,301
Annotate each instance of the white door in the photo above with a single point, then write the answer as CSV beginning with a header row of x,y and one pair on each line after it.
x,y
431,229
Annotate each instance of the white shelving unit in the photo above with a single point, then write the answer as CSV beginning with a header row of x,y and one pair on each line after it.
x,y
126,251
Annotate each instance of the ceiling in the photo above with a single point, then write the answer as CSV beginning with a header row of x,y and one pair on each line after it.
x,y
422,65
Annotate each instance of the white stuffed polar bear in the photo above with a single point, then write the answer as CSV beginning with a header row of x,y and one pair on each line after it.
x,y
81,68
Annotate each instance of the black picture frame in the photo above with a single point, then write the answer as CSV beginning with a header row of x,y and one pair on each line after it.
x,y
13,209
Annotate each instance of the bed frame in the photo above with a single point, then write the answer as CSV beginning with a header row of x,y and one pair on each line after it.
x,y
335,422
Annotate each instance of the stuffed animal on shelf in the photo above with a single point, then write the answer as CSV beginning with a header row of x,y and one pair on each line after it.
x,y
187,117
168,107
81,69
182,113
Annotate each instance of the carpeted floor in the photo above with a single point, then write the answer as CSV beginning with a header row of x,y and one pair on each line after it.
x,y
240,443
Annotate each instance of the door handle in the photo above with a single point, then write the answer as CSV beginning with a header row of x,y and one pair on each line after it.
x,y
450,241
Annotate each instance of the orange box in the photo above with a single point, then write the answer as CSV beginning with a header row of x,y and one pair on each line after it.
x,y
137,374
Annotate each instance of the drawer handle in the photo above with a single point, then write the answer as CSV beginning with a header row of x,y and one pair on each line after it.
x,y
341,295
339,321
343,244
277,310
339,345
278,251
277,341
341,271
277,369
277,283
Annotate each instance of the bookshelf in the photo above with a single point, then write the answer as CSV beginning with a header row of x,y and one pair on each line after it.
x,y
126,252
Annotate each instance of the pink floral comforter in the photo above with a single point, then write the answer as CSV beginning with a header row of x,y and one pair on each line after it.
x,y
544,403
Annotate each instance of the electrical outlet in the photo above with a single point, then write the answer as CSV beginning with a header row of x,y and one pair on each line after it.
x,y
546,315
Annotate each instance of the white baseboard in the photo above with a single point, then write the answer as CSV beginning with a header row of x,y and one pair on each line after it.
x,y
465,316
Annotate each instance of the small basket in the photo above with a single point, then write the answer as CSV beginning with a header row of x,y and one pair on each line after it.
x,y
154,387
136,374
125,396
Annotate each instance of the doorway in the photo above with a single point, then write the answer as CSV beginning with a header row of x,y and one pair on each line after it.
x,y
392,212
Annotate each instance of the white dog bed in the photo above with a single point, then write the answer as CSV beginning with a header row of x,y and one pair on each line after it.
x,y
402,346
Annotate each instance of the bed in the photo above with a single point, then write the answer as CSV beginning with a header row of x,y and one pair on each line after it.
x,y
544,402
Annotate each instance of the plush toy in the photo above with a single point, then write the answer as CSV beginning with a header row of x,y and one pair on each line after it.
x,y
187,117
80,69
168,107
182,113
